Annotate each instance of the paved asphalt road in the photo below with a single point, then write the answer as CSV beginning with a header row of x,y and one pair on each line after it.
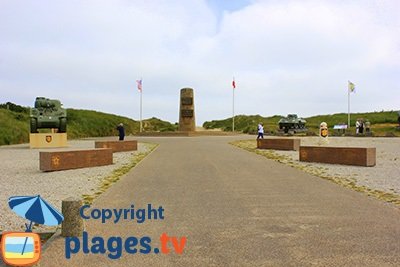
x,y
240,209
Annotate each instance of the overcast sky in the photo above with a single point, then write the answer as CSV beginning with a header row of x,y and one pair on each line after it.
x,y
286,56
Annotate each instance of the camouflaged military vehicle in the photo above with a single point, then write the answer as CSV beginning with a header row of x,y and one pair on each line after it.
x,y
48,113
292,122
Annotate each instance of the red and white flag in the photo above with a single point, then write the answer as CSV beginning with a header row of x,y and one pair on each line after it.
x,y
233,83
139,85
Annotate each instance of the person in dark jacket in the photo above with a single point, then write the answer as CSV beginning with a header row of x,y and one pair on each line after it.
x,y
121,132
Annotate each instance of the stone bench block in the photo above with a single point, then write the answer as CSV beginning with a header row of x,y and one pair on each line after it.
x,y
117,146
358,156
278,144
74,159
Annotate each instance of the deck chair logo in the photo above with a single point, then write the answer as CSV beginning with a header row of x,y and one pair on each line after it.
x,y
49,138
24,248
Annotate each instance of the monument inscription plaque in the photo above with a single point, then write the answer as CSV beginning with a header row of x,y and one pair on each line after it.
x,y
187,100
186,111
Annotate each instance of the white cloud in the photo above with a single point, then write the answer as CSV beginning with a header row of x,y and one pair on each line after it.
x,y
286,56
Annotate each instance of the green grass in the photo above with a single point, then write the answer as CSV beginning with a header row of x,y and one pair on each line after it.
x,y
243,123
14,124
381,117
382,122
14,127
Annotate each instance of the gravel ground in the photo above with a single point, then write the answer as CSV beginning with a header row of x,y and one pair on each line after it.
x,y
385,176
20,176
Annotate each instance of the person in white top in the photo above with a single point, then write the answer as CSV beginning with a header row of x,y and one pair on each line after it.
x,y
357,126
260,131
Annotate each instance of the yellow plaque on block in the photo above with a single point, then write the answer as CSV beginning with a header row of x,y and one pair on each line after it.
x,y
47,140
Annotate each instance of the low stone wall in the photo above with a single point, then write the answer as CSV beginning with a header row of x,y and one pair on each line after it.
x,y
278,143
74,159
117,146
358,156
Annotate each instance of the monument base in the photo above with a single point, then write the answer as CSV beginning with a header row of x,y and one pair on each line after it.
x,y
47,140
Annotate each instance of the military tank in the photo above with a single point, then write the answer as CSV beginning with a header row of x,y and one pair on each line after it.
x,y
48,113
292,122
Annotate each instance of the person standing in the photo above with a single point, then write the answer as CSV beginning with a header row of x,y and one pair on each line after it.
x,y
361,128
260,131
121,131
357,126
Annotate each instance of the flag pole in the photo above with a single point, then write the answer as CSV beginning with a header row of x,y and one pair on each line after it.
x,y
141,111
350,89
348,105
141,92
233,105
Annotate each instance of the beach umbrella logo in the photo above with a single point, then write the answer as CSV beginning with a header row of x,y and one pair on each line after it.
x,y
35,209
24,248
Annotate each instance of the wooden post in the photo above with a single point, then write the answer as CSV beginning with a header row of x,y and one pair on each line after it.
x,y
73,224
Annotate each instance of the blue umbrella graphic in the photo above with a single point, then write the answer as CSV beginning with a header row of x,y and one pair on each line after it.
x,y
35,209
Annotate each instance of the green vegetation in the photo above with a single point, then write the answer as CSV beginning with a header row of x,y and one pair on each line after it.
x,y
383,123
243,123
14,107
157,125
88,123
14,127
14,124
382,117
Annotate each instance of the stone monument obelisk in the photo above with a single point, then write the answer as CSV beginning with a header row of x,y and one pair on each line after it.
x,y
187,121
